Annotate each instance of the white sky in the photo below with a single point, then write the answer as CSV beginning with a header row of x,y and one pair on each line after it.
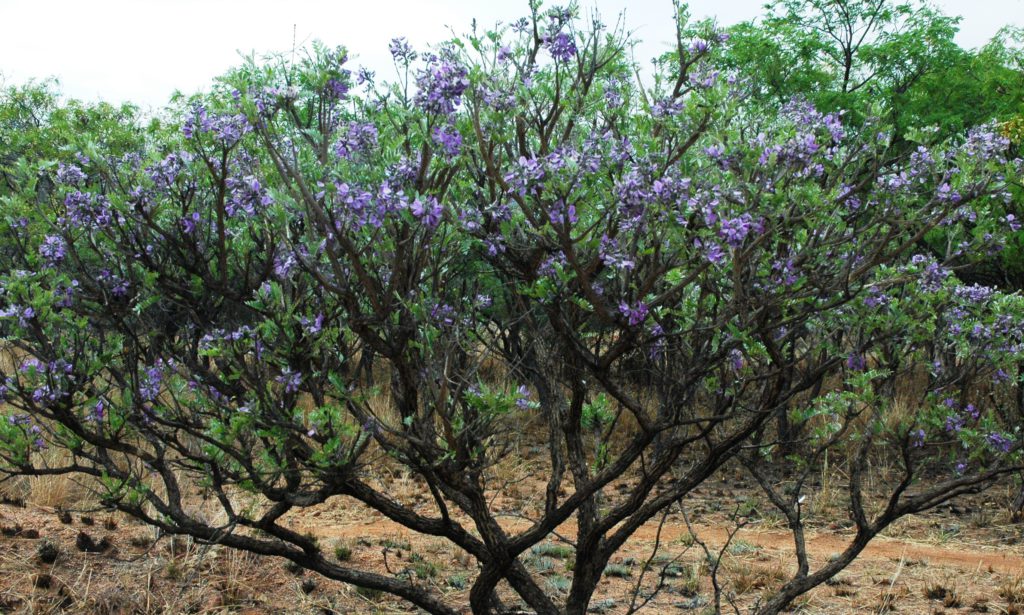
x,y
143,50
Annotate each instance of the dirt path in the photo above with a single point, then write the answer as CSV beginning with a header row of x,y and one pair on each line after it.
x,y
820,545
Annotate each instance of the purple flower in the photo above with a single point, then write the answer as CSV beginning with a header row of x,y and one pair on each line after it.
x,y
356,139
561,46
875,298
658,342
715,152
634,315
526,175
165,173
443,314
26,315
712,251
932,275
954,423
246,195
53,249
70,174
284,264
189,223
610,254
441,84
975,293
523,397
401,50
785,272
856,362
290,379
704,80
336,88
428,211
98,412
315,326
917,438
448,140
84,210
364,75
946,194
228,129
1011,221
999,442
149,388
562,214
734,230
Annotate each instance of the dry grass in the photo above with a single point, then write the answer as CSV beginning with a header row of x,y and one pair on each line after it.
x,y
58,491
745,576
1012,590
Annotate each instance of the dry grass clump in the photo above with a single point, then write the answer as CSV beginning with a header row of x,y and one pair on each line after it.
x,y
747,576
1012,591
890,598
943,592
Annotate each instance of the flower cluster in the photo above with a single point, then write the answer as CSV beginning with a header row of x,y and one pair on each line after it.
x,y
441,84
228,129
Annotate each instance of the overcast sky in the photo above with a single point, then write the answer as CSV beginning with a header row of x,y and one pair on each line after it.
x,y
144,50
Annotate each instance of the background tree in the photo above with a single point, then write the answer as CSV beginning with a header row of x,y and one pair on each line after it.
x,y
866,57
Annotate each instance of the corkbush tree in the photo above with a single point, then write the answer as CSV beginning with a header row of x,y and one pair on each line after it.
x,y
517,229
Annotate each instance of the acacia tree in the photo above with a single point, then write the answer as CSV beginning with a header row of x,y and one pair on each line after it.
x,y
867,57
658,274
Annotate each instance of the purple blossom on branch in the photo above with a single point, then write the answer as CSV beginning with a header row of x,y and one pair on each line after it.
x,y
357,138
523,397
149,388
561,46
856,362
975,293
70,174
53,250
635,315
713,251
448,140
1012,222
735,230
246,196
999,442
441,84
290,379
401,50
428,211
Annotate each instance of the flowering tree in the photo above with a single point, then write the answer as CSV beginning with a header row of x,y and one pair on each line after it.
x,y
516,228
